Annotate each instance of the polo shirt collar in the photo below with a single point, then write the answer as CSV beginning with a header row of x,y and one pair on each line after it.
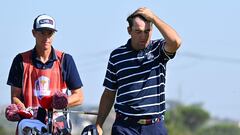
x,y
129,46
53,54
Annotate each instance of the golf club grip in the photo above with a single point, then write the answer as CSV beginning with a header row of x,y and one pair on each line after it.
x,y
91,113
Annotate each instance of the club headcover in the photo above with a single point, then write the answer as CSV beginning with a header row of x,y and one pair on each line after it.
x,y
46,102
11,112
90,130
60,100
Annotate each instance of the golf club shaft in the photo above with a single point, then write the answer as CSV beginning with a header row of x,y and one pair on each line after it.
x,y
79,112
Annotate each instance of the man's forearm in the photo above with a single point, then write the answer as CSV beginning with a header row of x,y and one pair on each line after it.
x,y
170,35
16,96
105,106
76,98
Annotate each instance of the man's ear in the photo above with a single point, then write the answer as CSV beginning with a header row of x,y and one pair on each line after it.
x,y
33,33
129,30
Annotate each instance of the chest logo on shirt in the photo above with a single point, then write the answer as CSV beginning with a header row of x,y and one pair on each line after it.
x,y
42,87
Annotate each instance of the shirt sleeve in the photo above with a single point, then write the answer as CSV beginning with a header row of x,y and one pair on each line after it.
x,y
70,73
166,56
16,72
110,81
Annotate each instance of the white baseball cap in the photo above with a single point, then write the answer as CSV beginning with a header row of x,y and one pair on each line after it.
x,y
44,22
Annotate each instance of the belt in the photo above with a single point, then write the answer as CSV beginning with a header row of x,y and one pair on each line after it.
x,y
138,121
148,121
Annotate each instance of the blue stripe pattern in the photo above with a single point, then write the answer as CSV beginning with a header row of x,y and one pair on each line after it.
x,y
139,85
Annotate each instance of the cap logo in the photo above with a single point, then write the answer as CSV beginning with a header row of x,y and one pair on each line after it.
x,y
46,21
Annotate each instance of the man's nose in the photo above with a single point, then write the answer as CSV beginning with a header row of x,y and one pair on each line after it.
x,y
46,35
143,35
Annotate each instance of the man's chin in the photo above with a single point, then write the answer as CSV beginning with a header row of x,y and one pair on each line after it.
x,y
142,46
46,46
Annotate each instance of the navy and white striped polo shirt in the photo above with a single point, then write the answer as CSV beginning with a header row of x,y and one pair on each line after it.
x,y
138,77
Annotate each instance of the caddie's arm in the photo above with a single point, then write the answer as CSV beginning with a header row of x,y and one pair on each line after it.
x,y
76,97
16,96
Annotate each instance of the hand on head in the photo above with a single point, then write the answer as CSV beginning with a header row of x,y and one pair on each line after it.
x,y
146,13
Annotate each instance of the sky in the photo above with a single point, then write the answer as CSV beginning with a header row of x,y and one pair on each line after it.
x,y
205,70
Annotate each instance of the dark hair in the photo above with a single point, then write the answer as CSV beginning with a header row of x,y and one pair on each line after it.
x,y
133,16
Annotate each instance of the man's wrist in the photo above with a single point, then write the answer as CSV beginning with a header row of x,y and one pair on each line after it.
x,y
153,19
100,120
